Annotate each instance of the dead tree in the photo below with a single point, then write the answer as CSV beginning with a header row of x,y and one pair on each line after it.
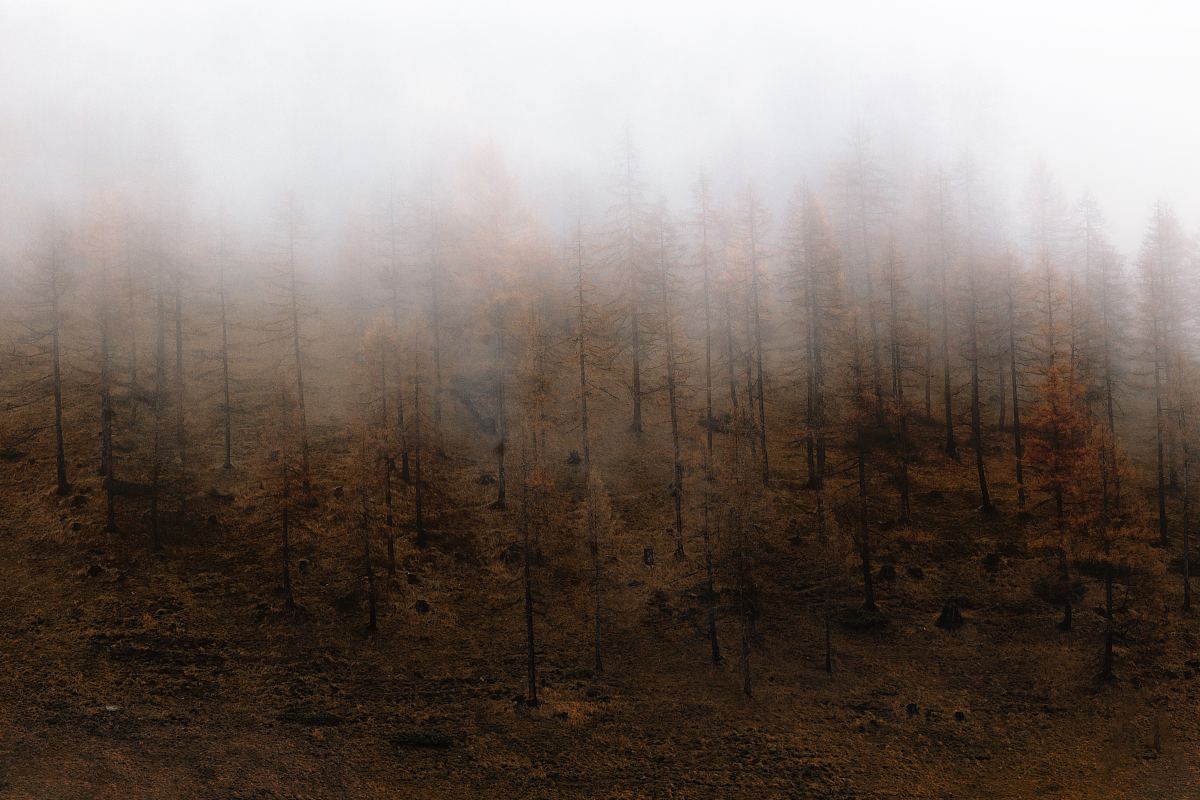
x,y
226,394
583,344
1158,265
705,214
667,291
626,248
753,222
1015,380
973,350
49,281
815,267
939,244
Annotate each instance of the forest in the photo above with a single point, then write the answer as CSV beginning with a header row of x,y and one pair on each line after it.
x,y
866,474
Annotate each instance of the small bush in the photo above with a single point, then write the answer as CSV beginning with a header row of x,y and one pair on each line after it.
x,y
418,738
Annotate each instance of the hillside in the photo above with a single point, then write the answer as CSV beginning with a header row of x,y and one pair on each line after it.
x,y
178,674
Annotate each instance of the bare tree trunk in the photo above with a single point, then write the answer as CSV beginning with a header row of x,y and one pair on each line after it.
x,y
226,408
531,698
1014,375
672,394
107,462
501,420
160,388
758,345
729,356
1187,580
305,460
1158,440
285,553
435,318
951,444
180,425
635,286
711,595
60,457
985,497
897,360
586,445
387,461
422,540
864,534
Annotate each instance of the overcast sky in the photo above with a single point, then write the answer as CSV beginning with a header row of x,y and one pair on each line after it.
x,y
328,96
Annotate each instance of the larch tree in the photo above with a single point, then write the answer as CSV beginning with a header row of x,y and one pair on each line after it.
x,y
706,224
815,267
626,248
752,225
973,354
49,281
668,289
1159,266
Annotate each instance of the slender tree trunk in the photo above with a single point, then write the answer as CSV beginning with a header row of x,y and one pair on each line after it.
x,y
501,422
664,277
1002,421
422,540
1015,382
951,444
729,355
388,463
635,287
864,533
985,497
285,553
305,458
586,445
180,423
710,589
107,461
756,312
226,406
1161,464
1187,580
63,486
531,697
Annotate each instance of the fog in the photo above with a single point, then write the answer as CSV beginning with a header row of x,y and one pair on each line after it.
x,y
331,99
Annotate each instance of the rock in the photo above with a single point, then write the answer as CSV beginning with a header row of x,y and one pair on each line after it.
x,y
916,573
950,618
421,607
912,709
887,572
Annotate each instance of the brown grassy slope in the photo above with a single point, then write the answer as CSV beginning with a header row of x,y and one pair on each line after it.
x,y
126,674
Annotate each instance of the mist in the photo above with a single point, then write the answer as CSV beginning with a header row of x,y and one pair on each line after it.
x,y
329,101
598,399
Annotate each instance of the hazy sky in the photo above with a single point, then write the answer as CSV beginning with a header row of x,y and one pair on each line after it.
x,y
329,96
